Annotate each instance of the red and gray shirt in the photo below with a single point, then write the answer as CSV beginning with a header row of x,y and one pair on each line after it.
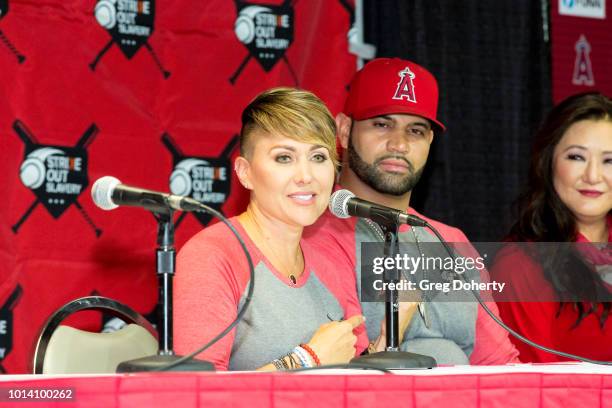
x,y
211,282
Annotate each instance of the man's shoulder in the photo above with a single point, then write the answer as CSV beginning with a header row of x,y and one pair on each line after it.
x,y
450,233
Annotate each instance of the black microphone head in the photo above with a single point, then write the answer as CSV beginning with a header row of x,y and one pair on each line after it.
x,y
102,192
338,203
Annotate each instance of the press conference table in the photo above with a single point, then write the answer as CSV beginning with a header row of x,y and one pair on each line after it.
x,y
559,385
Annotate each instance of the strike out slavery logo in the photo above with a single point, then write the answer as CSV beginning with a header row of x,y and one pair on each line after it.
x,y
267,32
57,175
205,179
130,23
4,9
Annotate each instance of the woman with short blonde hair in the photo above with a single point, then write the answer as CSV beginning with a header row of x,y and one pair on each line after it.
x,y
301,313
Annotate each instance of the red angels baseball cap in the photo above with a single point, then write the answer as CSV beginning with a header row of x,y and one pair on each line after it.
x,y
390,85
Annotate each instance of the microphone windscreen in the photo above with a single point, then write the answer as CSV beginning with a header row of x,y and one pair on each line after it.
x,y
338,203
102,192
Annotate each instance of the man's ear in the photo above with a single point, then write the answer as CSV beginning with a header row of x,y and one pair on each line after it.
x,y
343,129
242,167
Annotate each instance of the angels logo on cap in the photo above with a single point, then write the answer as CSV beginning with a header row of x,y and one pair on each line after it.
x,y
405,87
388,86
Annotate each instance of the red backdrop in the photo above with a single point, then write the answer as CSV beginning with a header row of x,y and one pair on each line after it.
x,y
140,90
581,47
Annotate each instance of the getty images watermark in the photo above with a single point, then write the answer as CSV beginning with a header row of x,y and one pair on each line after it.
x,y
430,266
503,272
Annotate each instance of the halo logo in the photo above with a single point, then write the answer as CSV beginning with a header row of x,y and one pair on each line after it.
x,y
266,31
57,175
4,9
130,23
583,71
205,179
405,87
6,323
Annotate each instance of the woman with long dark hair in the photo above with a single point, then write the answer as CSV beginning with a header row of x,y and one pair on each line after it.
x,y
563,293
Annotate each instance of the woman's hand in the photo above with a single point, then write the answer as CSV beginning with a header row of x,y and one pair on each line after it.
x,y
334,342
406,312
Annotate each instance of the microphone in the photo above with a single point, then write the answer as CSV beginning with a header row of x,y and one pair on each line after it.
x,y
344,204
108,193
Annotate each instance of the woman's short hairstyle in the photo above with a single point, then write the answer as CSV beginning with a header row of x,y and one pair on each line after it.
x,y
295,113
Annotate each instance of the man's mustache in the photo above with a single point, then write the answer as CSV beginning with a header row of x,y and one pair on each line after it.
x,y
393,157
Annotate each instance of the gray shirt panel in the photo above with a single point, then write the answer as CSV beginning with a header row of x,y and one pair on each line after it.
x,y
279,318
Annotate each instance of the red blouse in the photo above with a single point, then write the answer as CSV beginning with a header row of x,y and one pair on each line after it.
x,y
538,321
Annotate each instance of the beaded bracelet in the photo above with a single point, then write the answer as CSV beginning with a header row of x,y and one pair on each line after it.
x,y
310,351
292,362
284,362
303,356
278,364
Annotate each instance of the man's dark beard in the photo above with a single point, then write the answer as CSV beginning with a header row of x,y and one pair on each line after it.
x,y
381,182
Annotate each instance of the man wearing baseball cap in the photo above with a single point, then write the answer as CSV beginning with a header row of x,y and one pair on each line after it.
x,y
385,129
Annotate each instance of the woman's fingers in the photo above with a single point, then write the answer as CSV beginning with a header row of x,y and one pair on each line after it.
x,y
355,321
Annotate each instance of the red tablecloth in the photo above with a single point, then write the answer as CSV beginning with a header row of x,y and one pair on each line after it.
x,y
174,390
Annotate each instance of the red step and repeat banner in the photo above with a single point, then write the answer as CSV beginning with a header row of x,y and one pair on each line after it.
x,y
581,47
147,91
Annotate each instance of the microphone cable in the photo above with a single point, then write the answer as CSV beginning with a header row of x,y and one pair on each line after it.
x,y
206,209
215,213
501,323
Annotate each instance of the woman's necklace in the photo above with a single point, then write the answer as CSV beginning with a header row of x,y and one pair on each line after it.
x,y
293,270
